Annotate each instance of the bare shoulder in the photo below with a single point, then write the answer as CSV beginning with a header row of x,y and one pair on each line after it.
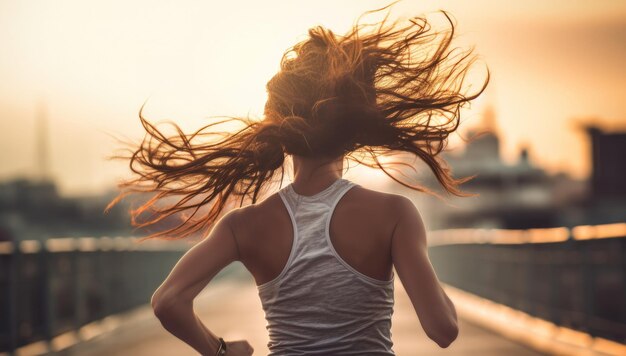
x,y
398,211
380,210
252,217
391,203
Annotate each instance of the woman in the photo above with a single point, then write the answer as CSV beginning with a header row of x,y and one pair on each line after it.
x,y
322,249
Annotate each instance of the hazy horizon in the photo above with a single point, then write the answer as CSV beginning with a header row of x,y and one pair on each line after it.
x,y
93,66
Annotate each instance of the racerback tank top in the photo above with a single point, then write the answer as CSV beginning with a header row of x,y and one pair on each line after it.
x,y
319,304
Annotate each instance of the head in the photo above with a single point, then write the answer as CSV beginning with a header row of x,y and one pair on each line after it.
x,y
379,89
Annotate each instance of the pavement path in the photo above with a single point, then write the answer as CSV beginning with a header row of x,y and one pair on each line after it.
x,y
231,308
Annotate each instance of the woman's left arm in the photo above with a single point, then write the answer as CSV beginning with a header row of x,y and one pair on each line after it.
x,y
173,300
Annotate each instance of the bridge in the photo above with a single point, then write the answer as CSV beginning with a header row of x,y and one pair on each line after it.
x,y
518,292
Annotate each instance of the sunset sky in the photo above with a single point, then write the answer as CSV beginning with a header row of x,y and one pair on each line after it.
x,y
89,66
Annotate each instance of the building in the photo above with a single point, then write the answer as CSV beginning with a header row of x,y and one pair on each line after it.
x,y
513,196
608,175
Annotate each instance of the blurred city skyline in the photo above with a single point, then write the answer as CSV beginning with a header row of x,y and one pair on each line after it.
x,y
84,70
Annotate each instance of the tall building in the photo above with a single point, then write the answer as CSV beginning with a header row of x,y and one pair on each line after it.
x,y
608,150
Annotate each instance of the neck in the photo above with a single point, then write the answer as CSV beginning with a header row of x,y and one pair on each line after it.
x,y
312,175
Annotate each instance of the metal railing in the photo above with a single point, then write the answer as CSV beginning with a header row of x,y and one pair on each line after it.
x,y
52,287
574,278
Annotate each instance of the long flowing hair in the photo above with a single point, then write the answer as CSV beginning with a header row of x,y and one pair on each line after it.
x,y
379,90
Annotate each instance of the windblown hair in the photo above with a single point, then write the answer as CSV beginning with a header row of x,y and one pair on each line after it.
x,y
378,90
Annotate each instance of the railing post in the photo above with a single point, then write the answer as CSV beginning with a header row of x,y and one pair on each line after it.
x,y
554,286
529,273
13,295
45,258
77,289
105,266
587,286
623,269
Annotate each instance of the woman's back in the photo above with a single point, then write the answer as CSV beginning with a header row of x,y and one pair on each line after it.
x,y
328,287
323,263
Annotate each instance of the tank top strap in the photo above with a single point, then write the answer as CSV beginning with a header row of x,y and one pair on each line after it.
x,y
290,200
338,193
329,195
308,215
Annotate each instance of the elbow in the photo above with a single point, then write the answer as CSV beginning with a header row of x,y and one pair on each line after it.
x,y
445,335
157,308
159,304
449,337
168,305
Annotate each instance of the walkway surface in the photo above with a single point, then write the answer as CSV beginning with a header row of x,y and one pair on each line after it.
x,y
231,308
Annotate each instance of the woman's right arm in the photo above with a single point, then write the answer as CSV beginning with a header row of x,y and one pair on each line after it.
x,y
434,309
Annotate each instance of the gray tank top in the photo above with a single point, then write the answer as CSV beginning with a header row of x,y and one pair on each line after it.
x,y
319,304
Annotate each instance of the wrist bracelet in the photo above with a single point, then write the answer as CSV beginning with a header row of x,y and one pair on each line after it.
x,y
222,349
